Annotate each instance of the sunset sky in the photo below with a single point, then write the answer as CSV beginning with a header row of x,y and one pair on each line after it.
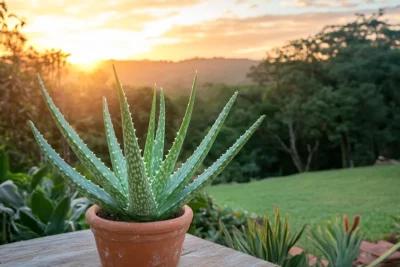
x,y
174,30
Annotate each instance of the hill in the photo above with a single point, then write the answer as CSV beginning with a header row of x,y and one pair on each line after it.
x,y
310,198
174,76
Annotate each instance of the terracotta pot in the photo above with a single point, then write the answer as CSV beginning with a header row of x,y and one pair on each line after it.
x,y
122,244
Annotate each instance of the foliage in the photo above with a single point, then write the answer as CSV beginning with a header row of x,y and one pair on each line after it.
x,y
141,189
19,63
324,91
270,240
394,236
41,212
312,198
338,241
320,94
256,159
21,179
40,204
207,217
396,225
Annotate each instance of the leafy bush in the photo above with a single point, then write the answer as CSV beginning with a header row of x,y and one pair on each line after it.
x,y
207,216
37,204
270,241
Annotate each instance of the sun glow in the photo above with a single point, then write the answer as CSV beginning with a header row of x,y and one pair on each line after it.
x,y
87,66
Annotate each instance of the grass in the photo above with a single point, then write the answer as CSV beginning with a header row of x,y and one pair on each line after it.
x,y
312,198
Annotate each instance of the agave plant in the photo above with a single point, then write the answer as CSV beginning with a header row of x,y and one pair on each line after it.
x,y
141,188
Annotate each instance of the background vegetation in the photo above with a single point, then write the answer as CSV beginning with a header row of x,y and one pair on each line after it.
x,y
331,102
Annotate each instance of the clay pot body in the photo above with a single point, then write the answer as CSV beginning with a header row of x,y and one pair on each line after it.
x,y
121,244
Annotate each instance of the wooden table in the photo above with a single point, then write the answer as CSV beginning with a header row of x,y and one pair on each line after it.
x,y
79,249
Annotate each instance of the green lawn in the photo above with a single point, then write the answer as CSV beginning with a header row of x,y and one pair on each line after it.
x,y
372,192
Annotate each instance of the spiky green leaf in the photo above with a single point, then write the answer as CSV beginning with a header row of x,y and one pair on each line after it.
x,y
84,186
148,149
182,177
158,148
102,175
141,200
161,178
117,158
184,196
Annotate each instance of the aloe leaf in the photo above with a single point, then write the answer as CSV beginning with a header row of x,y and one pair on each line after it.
x,y
117,158
141,200
160,180
102,175
184,196
182,177
84,186
148,149
158,148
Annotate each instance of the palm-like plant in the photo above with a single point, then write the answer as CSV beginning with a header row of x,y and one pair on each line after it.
x,y
141,188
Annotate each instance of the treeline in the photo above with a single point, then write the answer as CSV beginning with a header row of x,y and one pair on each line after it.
x,y
331,100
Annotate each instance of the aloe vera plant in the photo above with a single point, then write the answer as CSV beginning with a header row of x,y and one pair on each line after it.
x,y
141,187
271,240
338,241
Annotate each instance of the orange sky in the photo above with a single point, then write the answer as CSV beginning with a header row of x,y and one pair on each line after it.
x,y
179,29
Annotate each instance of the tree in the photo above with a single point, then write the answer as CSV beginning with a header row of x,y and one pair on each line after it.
x,y
340,87
19,94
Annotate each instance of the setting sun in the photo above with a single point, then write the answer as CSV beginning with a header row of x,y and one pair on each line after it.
x,y
86,66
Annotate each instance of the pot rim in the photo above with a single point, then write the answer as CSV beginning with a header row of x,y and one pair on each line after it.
x,y
155,227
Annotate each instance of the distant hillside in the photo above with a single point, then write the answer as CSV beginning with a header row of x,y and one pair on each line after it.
x,y
174,76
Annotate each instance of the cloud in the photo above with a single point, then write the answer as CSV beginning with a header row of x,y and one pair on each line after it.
x,y
93,7
74,15
172,29
329,3
246,37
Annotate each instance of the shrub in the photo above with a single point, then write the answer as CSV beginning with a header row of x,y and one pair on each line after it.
x,y
37,204
337,241
270,240
207,217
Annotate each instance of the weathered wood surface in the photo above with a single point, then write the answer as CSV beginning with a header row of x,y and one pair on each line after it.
x,y
79,249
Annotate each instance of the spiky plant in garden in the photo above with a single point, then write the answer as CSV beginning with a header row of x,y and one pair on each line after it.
x,y
338,241
141,188
270,241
